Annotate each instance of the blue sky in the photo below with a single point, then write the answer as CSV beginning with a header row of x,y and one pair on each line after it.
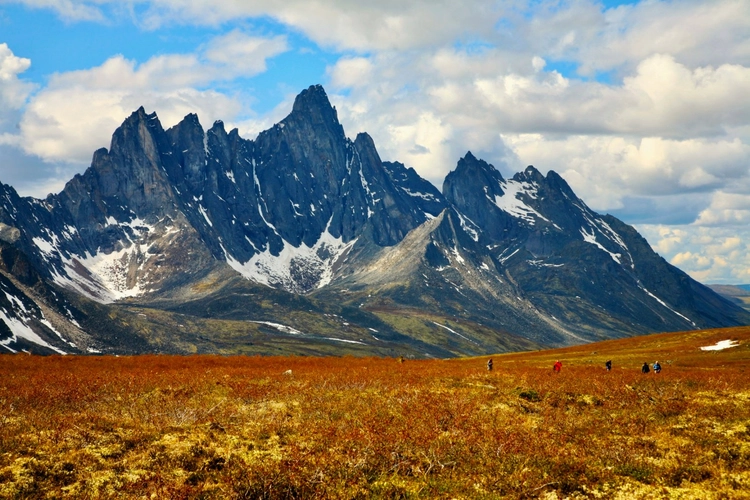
x,y
640,106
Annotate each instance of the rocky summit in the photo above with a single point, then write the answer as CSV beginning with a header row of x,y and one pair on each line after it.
x,y
303,241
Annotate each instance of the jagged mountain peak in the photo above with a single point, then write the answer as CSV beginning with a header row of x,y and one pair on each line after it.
x,y
364,138
473,171
529,174
314,103
305,210
555,181
470,162
474,188
138,116
191,122
137,131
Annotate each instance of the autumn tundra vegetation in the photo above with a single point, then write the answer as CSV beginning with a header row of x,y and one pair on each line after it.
x,y
347,427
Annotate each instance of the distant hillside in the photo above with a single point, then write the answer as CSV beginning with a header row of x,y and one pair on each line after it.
x,y
739,294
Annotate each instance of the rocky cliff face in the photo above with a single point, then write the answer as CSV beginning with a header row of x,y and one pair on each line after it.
x,y
166,218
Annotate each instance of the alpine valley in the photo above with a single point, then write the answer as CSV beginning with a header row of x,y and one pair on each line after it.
x,y
305,242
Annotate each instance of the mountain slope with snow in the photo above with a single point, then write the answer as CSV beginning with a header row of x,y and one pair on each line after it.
x,y
199,222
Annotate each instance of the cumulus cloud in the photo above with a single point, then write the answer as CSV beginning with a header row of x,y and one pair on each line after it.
x,y
238,54
695,32
351,72
666,97
663,98
726,210
708,254
13,90
55,128
342,24
77,111
346,24
606,169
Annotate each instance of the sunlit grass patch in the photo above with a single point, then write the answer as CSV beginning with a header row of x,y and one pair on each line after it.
x,y
243,427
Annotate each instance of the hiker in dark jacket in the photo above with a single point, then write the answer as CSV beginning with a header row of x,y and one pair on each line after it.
x,y
608,364
644,368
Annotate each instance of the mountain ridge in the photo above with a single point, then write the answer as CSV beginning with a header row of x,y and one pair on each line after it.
x,y
168,220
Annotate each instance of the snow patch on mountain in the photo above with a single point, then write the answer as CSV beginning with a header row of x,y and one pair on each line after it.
x,y
591,238
102,277
503,258
47,248
598,225
22,330
295,269
512,204
204,213
424,196
345,340
279,327
454,332
665,305
469,226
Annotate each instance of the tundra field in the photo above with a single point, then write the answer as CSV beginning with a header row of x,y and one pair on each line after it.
x,y
247,427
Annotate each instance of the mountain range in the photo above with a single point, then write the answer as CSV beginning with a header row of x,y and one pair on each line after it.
x,y
304,241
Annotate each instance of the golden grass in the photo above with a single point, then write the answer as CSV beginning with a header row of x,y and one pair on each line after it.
x,y
240,427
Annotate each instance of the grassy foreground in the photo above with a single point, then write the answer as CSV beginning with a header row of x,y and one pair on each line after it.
x,y
245,427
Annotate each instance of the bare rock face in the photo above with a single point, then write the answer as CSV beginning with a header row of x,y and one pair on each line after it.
x,y
303,210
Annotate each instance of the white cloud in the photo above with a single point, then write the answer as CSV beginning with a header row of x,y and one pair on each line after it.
x,y
605,169
345,24
726,210
69,10
666,97
249,128
238,54
77,111
708,254
351,72
663,98
13,90
538,63
423,142
695,32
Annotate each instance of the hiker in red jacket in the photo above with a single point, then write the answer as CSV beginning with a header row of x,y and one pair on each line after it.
x,y
557,366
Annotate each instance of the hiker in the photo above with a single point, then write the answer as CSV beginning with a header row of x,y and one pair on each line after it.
x,y
657,367
557,366
608,364
489,365
644,368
